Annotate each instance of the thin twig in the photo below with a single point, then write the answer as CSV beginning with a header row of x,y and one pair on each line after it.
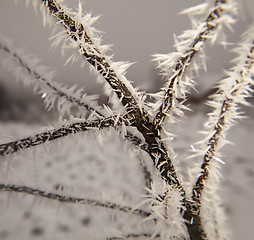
x,y
147,174
133,235
50,135
219,129
139,119
78,33
52,86
66,199
229,99
184,62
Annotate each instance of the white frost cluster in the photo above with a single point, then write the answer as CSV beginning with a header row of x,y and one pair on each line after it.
x,y
165,204
212,212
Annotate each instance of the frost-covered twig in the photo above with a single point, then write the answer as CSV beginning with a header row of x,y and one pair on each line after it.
x,y
233,90
51,91
66,199
24,67
137,141
78,28
166,206
57,133
133,235
65,130
147,174
174,215
188,45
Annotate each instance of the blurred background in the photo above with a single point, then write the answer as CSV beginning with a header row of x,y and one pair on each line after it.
x,y
137,29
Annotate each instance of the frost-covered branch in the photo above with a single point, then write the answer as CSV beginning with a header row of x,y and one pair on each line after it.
x,y
174,215
137,141
24,67
65,130
57,133
166,206
133,236
146,173
191,43
66,199
79,29
52,92
233,90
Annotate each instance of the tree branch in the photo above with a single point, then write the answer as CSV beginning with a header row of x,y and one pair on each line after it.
x,y
133,235
172,91
147,174
140,120
48,86
77,32
50,135
75,200
63,94
240,89
233,90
